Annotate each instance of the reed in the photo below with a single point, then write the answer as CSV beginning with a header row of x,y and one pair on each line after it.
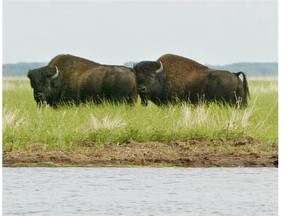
x,y
25,124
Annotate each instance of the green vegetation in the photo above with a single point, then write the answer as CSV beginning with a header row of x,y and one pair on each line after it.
x,y
19,69
59,129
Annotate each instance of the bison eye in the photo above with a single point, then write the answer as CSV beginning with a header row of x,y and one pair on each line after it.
x,y
141,81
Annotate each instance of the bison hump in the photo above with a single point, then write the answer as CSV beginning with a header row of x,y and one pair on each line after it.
x,y
180,62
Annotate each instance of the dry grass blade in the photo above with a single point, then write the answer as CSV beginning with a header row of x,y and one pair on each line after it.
x,y
107,122
10,118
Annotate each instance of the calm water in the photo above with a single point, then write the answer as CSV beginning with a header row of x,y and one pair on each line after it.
x,y
140,191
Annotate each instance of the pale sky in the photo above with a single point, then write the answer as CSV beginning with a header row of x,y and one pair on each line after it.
x,y
115,32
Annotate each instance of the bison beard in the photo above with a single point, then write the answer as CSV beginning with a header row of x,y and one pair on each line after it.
x,y
144,100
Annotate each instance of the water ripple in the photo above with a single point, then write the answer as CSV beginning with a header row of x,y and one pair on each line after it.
x,y
140,191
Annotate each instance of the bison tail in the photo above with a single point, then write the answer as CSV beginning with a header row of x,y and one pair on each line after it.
x,y
245,83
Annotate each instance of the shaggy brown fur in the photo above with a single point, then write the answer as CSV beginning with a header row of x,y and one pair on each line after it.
x,y
80,80
114,83
183,79
185,76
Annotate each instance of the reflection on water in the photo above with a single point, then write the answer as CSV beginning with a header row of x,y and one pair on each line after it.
x,y
140,191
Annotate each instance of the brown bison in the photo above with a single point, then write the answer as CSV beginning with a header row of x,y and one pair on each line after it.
x,y
71,79
174,78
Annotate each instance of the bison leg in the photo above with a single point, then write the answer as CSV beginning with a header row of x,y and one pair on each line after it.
x,y
144,100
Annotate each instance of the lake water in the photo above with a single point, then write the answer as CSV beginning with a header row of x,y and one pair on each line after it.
x,y
140,191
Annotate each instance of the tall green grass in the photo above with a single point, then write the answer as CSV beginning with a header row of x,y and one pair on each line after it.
x,y
24,124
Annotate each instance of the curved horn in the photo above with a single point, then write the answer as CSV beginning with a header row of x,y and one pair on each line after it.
x,y
160,69
56,74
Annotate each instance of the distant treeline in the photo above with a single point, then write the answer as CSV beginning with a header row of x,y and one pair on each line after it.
x,y
19,69
251,69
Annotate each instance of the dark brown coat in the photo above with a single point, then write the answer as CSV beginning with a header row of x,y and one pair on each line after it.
x,y
174,78
71,79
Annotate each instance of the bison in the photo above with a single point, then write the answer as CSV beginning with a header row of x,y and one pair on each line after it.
x,y
71,79
173,79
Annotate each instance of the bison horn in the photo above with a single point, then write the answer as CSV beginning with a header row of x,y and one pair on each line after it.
x,y
160,69
56,74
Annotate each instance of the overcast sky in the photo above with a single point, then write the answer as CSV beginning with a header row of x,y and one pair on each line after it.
x,y
114,32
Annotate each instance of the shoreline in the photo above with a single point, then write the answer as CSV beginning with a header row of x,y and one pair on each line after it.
x,y
197,152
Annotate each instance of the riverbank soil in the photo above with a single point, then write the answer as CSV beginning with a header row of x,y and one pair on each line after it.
x,y
197,152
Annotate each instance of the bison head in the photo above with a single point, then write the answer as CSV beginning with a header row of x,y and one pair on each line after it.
x,y
45,82
150,77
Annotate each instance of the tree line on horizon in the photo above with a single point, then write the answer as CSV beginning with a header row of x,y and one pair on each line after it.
x,y
249,68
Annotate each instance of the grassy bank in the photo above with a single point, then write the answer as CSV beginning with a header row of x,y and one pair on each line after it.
x,y
25,126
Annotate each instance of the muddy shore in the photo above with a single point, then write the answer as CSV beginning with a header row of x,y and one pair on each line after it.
x,y
197,152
